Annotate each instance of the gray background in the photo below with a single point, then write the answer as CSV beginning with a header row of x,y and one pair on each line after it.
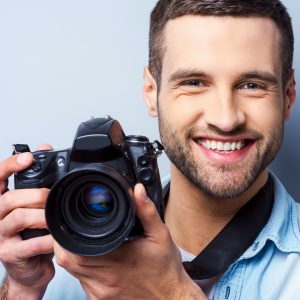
x,y
64,61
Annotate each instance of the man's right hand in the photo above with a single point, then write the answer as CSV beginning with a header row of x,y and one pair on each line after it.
x,y
28,263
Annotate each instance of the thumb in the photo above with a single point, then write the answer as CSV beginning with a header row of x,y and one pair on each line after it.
x,y
147,212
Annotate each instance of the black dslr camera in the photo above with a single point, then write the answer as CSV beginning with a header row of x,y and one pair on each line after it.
x,y
90,210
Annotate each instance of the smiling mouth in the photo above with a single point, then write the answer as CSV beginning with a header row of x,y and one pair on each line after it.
x,y
224,147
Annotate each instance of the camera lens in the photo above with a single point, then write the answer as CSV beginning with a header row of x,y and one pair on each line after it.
x,y
97,200
91,211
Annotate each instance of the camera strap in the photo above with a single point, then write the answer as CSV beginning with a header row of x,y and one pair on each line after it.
x,y
235,238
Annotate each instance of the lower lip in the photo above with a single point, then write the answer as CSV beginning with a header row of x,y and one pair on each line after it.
x,y
229,157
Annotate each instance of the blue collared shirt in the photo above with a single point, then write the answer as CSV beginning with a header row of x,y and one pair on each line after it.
x,y
268,270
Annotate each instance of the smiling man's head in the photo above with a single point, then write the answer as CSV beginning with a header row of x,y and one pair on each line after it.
x,y
221,86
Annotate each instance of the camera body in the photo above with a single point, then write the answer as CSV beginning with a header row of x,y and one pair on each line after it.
x,y
90,208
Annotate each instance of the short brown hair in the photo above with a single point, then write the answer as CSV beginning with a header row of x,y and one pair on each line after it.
x,y
166,10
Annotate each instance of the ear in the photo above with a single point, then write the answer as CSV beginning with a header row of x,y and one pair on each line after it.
x,y
150,93
289,96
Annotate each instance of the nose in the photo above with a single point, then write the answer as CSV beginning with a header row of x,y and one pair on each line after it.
x,y
224,112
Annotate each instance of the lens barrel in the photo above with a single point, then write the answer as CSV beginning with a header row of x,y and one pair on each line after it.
x,y
90,212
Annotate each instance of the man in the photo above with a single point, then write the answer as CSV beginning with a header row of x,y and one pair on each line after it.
x,y
221,83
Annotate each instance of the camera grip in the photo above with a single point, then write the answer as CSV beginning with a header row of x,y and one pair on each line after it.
x,y
27,234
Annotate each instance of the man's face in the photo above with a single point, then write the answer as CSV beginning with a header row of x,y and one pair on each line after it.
x,y
221,104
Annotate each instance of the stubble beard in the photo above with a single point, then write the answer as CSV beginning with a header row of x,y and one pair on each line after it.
x,y
225,181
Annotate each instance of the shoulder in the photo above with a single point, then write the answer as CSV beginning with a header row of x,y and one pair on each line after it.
x,y
275,271
290,208
273,276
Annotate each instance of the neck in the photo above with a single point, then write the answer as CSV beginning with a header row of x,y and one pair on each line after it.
x,y
195,218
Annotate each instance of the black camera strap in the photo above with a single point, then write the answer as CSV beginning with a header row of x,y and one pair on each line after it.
x,y
235,238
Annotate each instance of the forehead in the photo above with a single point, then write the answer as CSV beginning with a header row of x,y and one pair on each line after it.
x,y
222,42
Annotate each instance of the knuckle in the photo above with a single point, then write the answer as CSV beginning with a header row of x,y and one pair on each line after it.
x,y
3,205
2,236
7,203
4,198
3,186
5,254
62,259
3,171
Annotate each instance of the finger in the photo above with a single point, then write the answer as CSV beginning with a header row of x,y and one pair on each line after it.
x,y
147,212
45,147
75,262
36,246
29,248
25,198
20,219
15,164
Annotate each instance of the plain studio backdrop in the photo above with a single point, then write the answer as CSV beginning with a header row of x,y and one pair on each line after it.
x,y
64,61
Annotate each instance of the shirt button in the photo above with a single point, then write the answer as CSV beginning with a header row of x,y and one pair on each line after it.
x,y
255,246
227,294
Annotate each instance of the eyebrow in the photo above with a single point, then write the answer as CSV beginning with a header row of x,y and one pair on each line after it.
x,y
264,76
186,74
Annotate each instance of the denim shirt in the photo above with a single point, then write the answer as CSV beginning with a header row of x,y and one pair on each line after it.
x,y
269,269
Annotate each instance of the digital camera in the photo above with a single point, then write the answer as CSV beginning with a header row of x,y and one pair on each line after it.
x,y
90,209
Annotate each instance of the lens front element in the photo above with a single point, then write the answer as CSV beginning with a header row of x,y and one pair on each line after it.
x,y
98,200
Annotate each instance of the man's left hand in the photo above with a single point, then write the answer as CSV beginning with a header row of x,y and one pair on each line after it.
x,y
147,268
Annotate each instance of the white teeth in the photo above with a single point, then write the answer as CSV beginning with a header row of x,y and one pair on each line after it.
x,y
220,146
227,146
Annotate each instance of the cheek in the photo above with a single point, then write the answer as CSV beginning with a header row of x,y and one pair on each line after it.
x,y
180,112
264,116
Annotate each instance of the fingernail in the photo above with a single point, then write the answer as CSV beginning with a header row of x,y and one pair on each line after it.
x,y
24,158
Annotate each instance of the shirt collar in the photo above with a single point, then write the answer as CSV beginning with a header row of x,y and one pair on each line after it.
x,y
282,228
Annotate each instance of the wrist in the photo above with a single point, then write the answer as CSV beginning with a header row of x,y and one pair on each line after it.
x,y
14,290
